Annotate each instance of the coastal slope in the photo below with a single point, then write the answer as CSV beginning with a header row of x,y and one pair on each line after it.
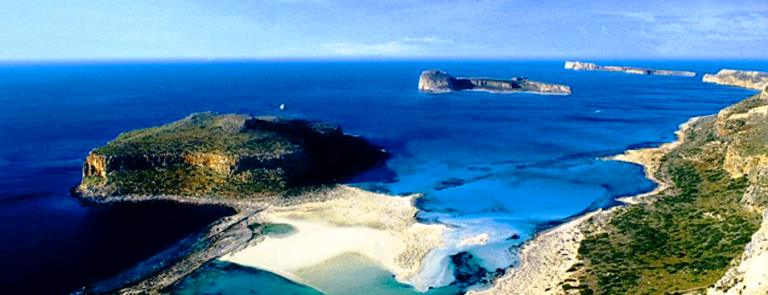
x,y
703,230
746,79
585,66
435,81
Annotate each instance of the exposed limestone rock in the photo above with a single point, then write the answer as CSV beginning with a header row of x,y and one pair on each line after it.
x,y
434,81
95,165
750,275
585,66
739,165
746,79
214,161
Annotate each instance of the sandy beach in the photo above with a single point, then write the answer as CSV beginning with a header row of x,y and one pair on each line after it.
x,y
546,259
649,158
341,221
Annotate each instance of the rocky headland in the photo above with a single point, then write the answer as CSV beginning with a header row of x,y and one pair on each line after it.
x,y
435,81
702,230
746,79
227,158
585,66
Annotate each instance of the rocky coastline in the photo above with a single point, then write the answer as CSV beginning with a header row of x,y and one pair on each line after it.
x,y
745,79
556,261
436,81
585,66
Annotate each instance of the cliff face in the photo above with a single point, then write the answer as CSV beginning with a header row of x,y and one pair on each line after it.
x,y
746,79
585,66
748,158
434,81
225,156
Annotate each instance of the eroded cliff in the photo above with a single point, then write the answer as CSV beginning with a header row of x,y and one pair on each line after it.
x,y
746,79
434,81
585,66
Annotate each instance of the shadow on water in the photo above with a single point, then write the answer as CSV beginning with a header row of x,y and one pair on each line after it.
x,y
81,245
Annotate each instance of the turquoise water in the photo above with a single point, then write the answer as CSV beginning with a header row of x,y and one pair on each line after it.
x,y
227,278
505,165
346,274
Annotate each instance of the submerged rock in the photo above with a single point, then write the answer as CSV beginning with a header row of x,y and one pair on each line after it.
x,y
585,66
434,81
225,156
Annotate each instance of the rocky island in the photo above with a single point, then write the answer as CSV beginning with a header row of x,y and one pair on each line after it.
x,y
271,171
746,79
224,157
585,66
704,229
435,81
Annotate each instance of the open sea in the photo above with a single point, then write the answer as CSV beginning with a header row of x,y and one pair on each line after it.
x,y
507,165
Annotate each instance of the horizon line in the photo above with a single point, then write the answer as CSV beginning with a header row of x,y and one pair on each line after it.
x,y
353,59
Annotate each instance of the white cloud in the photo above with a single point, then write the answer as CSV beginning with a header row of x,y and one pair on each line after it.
x,y
696,31
403,46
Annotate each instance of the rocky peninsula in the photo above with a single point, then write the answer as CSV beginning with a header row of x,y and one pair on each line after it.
x,y
702,230
273,172
585,66
435,81
224,157
746,79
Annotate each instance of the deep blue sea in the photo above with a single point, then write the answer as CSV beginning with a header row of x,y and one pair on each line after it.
x,y
502,164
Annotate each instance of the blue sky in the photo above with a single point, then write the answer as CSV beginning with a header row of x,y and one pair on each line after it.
x,y
275,29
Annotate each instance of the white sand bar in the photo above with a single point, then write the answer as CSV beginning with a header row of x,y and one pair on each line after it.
x,y
341,221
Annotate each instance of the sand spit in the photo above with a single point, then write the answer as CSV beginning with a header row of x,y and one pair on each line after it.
x,y
340,221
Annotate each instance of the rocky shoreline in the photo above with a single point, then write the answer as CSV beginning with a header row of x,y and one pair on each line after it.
x,y
585,66
745,79
435,81
549,263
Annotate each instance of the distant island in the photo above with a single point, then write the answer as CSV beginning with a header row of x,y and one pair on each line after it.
x,y
435,81
745,79
585,66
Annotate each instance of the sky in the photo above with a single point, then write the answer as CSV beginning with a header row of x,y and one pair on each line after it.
x,y
33,30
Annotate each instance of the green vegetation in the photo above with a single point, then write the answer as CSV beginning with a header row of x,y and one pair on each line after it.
x,y
225,156
200,132
187,180
686,239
